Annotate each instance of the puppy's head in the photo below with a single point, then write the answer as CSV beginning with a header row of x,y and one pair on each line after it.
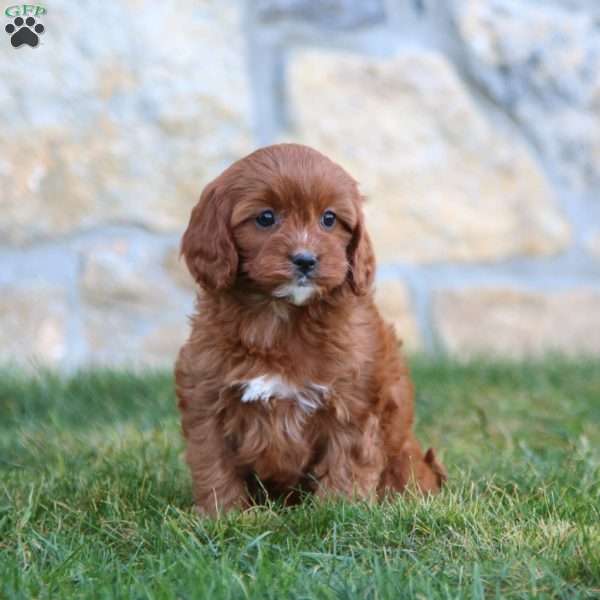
x,y
285,221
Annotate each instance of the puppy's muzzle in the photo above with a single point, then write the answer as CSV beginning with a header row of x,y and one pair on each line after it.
x,y
304,263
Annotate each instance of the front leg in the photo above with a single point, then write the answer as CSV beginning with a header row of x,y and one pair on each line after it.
x,y
218,486
353,461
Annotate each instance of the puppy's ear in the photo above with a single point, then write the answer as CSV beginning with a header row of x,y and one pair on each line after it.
x,y
207,244
361,258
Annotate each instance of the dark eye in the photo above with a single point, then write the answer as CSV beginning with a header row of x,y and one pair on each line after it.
x,y
266,219
328,219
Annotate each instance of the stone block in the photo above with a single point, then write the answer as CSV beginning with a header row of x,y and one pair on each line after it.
x,y
515,323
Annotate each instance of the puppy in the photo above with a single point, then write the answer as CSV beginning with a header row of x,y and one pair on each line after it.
x,y
290,380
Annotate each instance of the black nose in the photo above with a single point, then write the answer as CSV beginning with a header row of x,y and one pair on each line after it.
x,y
305,262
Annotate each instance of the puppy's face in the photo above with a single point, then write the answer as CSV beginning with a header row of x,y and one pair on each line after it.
x,y
293,240
286,222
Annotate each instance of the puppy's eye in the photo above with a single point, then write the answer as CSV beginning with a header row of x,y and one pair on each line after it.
x,y
328,219
266,219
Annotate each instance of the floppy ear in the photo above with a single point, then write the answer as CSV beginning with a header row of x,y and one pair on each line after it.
x,y
361,258
207,244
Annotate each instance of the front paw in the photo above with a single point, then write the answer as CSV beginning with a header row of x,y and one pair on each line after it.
x,y
214,509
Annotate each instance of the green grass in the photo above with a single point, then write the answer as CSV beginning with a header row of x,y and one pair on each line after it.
x,y
95,500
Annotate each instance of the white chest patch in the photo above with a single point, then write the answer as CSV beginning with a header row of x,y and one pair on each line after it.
x,y
267,387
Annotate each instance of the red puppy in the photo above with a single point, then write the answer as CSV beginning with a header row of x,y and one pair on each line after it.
x,y
290,379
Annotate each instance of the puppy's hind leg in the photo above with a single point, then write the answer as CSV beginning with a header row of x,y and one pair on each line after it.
x,y
353,462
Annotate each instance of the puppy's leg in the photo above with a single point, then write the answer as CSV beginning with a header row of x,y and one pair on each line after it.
x,y
353,462
218,486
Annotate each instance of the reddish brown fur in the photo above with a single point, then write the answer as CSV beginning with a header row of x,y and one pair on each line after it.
x,y
360,441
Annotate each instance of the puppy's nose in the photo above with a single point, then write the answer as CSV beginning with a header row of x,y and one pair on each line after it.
x,y
305,262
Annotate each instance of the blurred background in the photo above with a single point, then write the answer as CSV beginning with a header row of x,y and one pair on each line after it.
x,y
473,127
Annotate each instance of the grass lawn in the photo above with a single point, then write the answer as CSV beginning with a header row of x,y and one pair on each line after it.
x,y
95,500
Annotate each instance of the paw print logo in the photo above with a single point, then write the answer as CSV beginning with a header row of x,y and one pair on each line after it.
x,y
24,32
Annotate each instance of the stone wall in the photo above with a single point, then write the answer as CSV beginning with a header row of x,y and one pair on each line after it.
x,y
473,127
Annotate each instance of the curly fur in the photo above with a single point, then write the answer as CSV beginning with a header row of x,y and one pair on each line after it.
x,y
281,391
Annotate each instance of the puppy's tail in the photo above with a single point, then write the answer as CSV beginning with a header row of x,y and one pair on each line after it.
x,y
438,469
